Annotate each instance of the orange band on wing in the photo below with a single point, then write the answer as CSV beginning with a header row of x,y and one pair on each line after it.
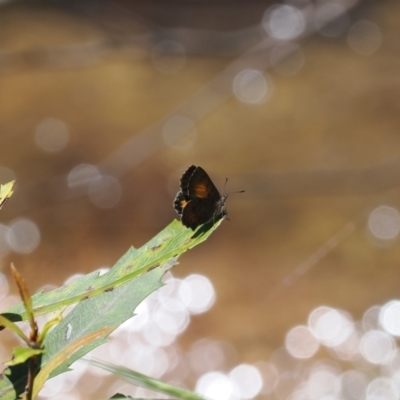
x,y
201,191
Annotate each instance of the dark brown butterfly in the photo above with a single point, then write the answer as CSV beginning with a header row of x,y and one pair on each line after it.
x,y
198,201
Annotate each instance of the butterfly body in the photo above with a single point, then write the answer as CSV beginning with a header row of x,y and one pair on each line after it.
x,y
198,201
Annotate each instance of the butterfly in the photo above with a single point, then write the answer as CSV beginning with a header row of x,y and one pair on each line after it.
x,y
198,200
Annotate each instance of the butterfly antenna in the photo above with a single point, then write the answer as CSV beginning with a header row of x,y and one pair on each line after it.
x,y
237,191
223,189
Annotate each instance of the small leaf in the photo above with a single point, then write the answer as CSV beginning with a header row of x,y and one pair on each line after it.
x,y
14,327
25,296
56,319
6,192
21,354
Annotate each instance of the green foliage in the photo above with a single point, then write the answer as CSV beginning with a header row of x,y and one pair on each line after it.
x,y
13,327
104,302
22,354
169,243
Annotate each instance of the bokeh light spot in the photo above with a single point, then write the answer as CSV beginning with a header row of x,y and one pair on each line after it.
x,y
365,37
382,389
270,376
323,381
215,386
331,327
283,22
146,359
370,318
384,223
286,385
23,236
105,191
168,295
207,354
348,350
60,387
197,293
52,135
252,86
154,336
173,322
389,317
377,347
354,385
301,343
246,380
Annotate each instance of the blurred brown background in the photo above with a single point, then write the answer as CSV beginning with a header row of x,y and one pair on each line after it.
x,y
299,106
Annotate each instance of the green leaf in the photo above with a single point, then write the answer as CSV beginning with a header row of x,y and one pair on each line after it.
x,y
110,309
6,192
21,354
106,311
174,240
110,299
144,381
13,381
12,326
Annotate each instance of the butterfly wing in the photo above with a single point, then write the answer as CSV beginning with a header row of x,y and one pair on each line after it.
x,y
182,198
198,200
180,202
198,212
186,178
200,186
